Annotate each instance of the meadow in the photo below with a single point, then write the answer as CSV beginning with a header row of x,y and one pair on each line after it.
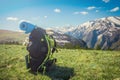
x,y
72,64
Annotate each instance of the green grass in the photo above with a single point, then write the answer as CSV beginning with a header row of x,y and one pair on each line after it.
x,y
72,64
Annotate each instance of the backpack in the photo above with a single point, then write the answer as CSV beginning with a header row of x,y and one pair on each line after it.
x,y
41,48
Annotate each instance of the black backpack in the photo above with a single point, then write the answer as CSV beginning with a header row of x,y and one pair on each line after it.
x,y
41,48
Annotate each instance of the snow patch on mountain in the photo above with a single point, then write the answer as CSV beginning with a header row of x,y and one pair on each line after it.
x,y
103,31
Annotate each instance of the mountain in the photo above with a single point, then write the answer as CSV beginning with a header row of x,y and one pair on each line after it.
x,y
66,40
61,39
103,33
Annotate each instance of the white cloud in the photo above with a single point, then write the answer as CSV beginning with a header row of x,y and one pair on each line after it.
x,y
114,9
11,18
45,17
84,13
57,10
106,1
91,7
97,11
76,12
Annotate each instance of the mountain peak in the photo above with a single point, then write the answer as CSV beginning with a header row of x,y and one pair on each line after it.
x,y
103,32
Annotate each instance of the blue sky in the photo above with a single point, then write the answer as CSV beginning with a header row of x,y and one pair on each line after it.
x,y
54,13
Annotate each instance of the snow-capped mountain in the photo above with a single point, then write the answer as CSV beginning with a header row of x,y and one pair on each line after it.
x,y
103,32
63,29
63,39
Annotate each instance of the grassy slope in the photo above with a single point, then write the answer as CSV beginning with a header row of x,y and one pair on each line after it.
x,y
6,35
72,64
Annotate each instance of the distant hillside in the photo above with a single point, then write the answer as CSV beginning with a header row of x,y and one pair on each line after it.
x,y
7,36
62,40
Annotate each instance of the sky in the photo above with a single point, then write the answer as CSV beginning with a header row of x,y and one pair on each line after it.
x,y
54,13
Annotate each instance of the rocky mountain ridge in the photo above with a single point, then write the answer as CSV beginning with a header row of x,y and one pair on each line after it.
x,y
103,32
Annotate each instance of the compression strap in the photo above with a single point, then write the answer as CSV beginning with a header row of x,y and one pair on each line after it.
x,y
49,51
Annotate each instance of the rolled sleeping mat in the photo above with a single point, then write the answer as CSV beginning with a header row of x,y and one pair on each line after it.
x,y
27,27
